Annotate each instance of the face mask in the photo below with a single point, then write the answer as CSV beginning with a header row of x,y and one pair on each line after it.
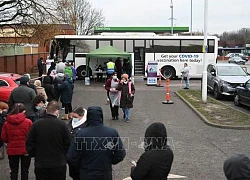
x,y
38,107
114,77
75,120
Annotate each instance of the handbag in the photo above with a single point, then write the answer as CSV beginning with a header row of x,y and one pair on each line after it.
x,y
2,152
185,78
129,97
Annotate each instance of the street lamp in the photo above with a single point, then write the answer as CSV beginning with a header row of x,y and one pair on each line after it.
x,y
172,17
191,26
204,73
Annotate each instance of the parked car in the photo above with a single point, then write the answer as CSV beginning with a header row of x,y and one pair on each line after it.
x,y
242,94
223,78
236,60
243,56
8,82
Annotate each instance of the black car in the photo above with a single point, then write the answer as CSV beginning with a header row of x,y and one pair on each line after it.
x,y
242,94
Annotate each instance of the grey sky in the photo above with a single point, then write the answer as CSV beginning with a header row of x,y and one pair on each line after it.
x,y
224,15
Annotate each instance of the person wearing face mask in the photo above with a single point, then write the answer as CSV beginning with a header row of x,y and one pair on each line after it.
x,y
48,141
76,124
127,89
14,133
113,95
40,106
3,113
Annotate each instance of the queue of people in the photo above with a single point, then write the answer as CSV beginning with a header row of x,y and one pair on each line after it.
x,y
88,146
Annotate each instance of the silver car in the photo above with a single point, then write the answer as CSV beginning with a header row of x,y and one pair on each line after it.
x,y
236,60
222,78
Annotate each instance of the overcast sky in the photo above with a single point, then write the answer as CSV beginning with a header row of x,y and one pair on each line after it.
x,y
224,15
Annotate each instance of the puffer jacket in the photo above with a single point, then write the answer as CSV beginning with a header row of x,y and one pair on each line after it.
x,y
14,133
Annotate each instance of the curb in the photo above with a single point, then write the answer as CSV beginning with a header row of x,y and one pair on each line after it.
x,y
204,119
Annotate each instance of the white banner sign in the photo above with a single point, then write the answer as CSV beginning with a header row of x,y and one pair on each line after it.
x,y
179,58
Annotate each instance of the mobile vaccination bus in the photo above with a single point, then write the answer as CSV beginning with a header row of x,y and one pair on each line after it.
x,y
171,52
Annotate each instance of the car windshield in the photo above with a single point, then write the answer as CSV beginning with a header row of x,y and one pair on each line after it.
x,y
231,71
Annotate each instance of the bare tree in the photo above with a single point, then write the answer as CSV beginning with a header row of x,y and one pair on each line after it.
x,y
80,14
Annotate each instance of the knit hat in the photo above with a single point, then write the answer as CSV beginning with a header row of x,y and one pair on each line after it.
x,y
38,83
125,76
3,105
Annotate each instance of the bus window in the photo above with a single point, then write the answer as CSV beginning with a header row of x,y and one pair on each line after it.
x,y
119,44
149,43
129,46
167,46
191,46
139,43
210,46
84,46
104,43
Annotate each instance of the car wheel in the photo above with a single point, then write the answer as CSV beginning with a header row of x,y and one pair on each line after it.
x,y
236,100
217,94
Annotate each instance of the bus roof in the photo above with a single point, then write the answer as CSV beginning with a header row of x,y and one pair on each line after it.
x,y
91,37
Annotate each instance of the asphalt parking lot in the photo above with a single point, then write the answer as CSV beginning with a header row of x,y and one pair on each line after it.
x,y
199,150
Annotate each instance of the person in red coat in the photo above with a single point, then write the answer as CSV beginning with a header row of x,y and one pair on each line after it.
x,y
14,133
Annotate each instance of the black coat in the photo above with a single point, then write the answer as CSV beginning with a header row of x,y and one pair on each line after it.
x,y
48,141
126,101
155,163
2,120
23,94
101,147
49,89
66,91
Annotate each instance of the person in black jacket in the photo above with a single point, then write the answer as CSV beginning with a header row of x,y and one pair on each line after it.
x,y
40,66
237,167
48,141
66,91
49,89
95,148
155,163
76,124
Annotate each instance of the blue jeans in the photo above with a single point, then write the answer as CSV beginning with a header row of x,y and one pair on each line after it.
x,y
187,83
126,112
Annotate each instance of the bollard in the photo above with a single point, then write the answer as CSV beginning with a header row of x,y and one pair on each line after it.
x,y
159,80
167,101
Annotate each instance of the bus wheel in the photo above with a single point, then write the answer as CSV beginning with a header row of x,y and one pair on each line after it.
x,y
81,72
168,72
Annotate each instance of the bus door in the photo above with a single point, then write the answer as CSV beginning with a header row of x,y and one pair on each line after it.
x,y
139,57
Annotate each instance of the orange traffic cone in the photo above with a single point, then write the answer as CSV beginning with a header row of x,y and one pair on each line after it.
x,y
167,101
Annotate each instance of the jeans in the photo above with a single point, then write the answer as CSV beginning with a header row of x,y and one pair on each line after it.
x,y
187,83
126,112
58,173
14,166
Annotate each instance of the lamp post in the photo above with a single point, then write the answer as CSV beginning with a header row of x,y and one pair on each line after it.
x,y
204,73
191,25
172,17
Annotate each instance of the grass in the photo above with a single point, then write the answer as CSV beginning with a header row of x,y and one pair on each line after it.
x,y
214,111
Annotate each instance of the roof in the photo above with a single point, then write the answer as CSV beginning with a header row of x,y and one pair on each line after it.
x,y
108,51
140,29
